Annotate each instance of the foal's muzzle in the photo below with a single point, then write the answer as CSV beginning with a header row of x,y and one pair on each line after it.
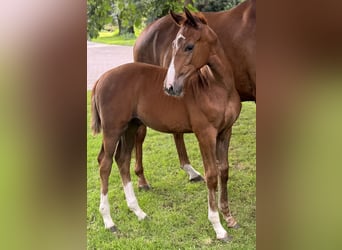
x,y
175,88
172,91
169,91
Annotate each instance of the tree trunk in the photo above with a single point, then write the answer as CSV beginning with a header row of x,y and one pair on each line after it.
x,y
124,29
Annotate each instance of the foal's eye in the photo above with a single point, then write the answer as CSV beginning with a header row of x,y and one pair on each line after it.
x,y
189,47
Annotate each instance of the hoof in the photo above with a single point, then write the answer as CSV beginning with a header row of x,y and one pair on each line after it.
x,y
236,226
232,223
228,238
113,229
144,188
197,179
147,218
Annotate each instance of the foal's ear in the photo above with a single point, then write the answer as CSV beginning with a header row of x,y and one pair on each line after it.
x,y
179,19
190,18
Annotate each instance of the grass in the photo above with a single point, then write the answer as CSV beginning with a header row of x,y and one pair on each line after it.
x,y
176,207
112,37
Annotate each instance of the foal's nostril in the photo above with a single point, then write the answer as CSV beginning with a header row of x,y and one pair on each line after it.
x,y
171,91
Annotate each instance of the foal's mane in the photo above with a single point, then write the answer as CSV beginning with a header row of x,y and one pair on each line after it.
x,y
201,79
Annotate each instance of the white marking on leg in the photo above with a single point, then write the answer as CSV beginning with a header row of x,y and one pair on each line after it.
x,y
132,202
214,218
105,211
191,171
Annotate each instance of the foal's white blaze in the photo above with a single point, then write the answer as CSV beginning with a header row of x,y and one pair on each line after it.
x,y
132,202
105,211
170,76
191,171
179,36
214,218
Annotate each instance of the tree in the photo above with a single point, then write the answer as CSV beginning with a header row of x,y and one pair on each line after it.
x,y
216,5
155,8
98,14
128,13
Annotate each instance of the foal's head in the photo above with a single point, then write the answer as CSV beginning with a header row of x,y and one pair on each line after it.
x,y
192,48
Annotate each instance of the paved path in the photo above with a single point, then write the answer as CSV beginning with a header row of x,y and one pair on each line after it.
x,y
102,57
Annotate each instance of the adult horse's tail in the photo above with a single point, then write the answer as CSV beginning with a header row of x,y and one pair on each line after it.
x,y
95,117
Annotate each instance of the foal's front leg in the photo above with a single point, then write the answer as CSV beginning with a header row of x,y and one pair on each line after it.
x,y
222,146
207,143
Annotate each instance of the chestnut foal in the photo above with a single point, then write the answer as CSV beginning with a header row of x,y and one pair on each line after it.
x,y
198,96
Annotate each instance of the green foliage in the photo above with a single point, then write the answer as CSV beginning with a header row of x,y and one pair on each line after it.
x,y
155,8
176,207
128,14
216,5
98,14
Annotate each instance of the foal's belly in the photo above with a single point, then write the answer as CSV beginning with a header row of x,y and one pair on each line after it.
x,y
164,113
167,128
164,121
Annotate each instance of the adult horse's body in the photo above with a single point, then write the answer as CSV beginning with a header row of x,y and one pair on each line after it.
x,y
133,94
235,28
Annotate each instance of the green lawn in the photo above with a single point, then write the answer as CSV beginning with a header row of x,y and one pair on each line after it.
x,y
113,37
177,208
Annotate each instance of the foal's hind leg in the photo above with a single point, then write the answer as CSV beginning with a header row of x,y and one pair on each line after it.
x,y
123,159
139,170
222,146
105,159
184,159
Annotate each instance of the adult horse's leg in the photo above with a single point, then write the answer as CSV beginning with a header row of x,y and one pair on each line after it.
x,y
123,159
207,143
184,159
101,155
222,146
105,159
139,170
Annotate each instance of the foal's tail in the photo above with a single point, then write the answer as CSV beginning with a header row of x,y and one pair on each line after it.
x,y
95,117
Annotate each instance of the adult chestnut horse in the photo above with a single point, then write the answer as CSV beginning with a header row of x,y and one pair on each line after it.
x,y
236,29
201,98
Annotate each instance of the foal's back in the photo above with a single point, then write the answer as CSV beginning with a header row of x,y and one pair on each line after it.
x,y
135,90
130,75
117,91
126,82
